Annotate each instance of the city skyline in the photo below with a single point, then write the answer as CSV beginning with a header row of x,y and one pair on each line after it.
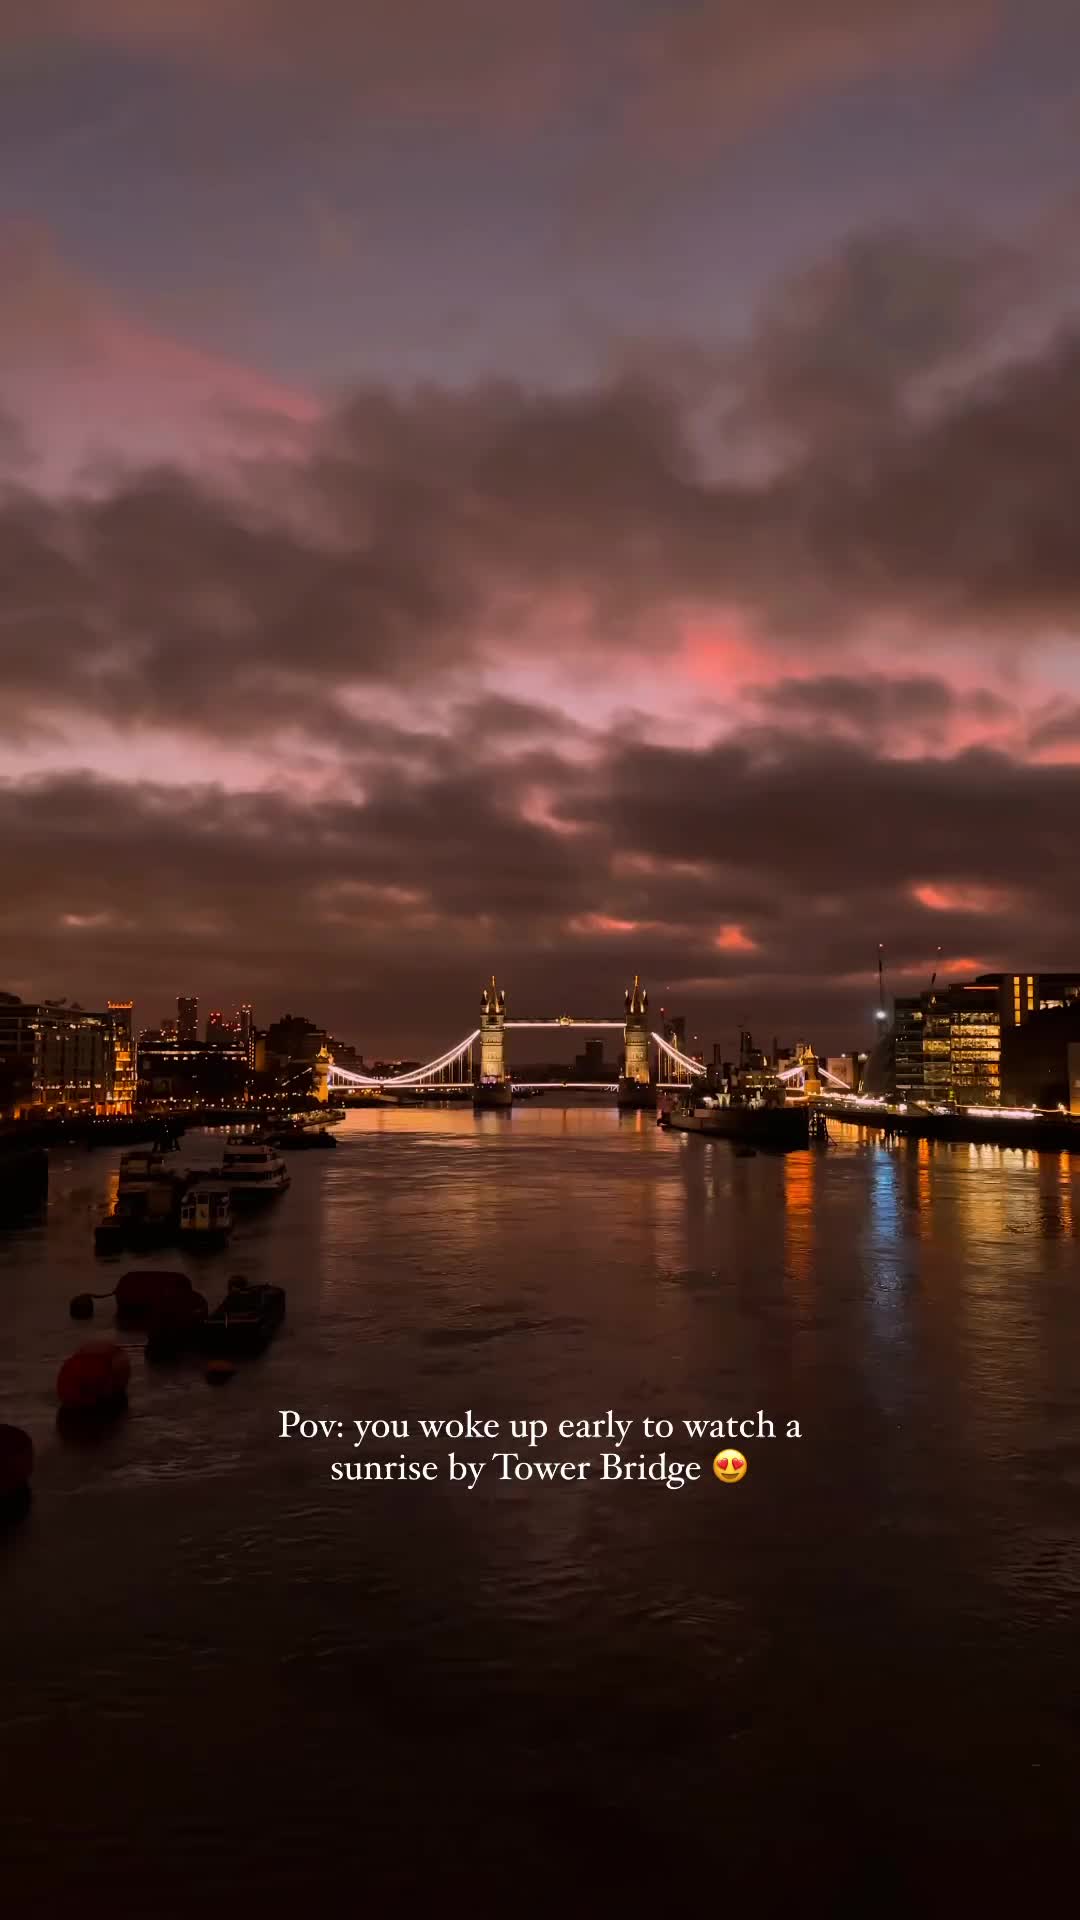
x,y
569,495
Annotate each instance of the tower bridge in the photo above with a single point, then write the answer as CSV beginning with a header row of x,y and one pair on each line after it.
x,y
478,1063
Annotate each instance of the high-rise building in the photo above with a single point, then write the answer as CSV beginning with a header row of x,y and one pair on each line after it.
x,y
221,1032
246,1030
187,1021
120,1014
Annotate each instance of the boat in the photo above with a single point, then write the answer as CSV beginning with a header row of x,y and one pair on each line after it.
x,y
300,1138
205,1215
141,1164
252,1168
145,1215
247,1319
749,1109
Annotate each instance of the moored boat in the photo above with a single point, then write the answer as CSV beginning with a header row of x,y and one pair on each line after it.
x,y
300,1138
205,1215
252,1168
141,1164
750,1109
247,1319
145,1215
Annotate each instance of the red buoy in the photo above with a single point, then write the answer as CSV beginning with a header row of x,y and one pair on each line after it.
x,y
94,1376
151,1295
16,1460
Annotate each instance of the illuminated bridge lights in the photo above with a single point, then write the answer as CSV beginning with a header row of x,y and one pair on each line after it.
x,y
453,1068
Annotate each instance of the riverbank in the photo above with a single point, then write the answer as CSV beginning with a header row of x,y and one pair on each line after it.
x,y
983,1126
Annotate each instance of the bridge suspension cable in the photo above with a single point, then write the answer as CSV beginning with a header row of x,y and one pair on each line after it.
x,y
797,1075
416,1077
685,1067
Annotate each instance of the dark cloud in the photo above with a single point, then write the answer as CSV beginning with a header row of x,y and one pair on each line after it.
x,y
425,533
878,708
386,592
767,880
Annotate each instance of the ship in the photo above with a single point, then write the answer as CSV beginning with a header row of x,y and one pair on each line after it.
x,y
749,1108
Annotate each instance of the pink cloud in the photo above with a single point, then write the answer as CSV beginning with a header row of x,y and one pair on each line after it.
x,y
602,923
719,650
98,378
964,898
734,939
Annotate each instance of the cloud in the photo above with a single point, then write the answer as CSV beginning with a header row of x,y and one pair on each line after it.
x,y
413,540
897,713
713,67
769,886
728,64
100,379
457,630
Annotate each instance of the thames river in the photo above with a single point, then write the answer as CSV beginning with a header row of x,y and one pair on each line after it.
x,y
850,1683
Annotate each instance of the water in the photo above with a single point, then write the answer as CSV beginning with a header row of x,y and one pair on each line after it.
x,y
852,1681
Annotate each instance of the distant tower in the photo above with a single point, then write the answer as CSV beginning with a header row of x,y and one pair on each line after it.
x,y
493,1088
635,1087
811,1073
320,1076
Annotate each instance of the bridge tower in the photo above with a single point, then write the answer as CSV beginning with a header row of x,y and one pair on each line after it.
x,y
493,1089
320,1076
635,1085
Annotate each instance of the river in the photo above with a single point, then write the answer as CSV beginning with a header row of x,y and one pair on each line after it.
x,y
849,1683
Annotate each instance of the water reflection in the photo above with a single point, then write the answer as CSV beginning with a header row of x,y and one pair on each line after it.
x,y
914,1560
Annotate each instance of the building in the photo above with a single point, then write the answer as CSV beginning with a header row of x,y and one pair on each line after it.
x,y
590,1064
246,1028
293,1038
187,1021
1023,995
344,1054
192,1076
121,1015
1035,1054
221,1031
54,1058
944,1049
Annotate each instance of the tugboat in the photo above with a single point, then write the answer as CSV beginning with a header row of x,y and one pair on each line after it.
x,y
247,1319
205,1215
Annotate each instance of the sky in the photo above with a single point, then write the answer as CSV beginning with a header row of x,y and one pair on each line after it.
x,y
567,491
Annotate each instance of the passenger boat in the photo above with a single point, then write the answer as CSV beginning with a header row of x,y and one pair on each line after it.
x,y
251,1167
247,1319
205,1215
